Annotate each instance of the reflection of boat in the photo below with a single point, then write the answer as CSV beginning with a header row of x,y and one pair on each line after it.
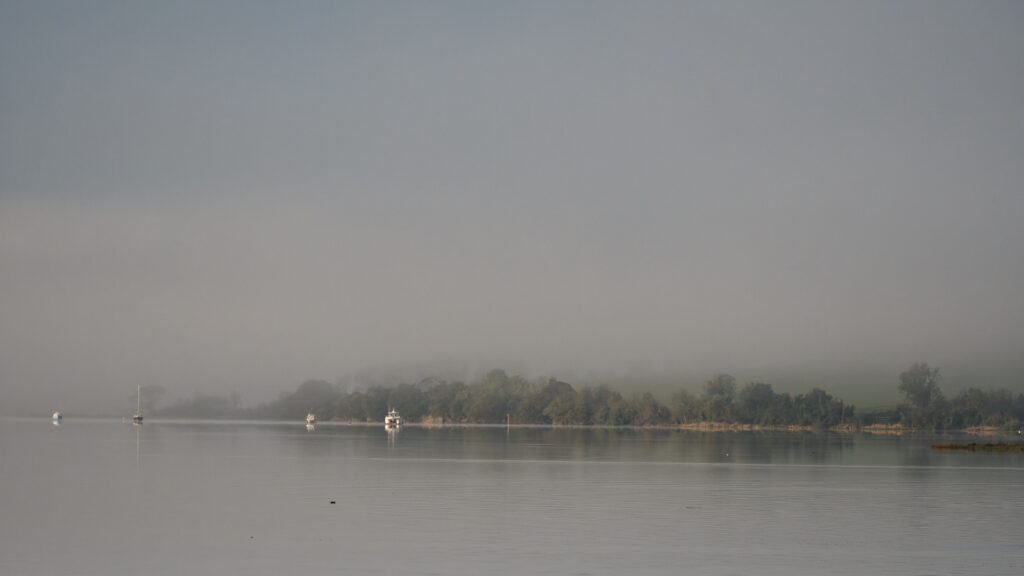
x,y
310,427
310,418
392,420
57,416
137,418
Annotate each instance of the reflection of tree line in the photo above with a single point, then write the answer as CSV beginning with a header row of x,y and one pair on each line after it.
x,y
498,397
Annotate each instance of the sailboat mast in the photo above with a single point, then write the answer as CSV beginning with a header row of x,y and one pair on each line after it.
x,y
138,400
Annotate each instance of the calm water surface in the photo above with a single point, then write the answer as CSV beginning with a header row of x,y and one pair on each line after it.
x,y
107,498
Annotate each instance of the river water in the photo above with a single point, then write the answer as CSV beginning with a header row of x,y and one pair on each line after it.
x,y
98,497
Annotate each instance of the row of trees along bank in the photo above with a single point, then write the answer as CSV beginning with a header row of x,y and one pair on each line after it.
x,y
553,402
498,396
926,407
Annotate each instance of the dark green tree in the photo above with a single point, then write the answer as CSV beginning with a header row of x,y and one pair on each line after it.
x,y
559,401
446,401
717,398
919,384
920,388
409,400
374,404
648,412
685,407
754,403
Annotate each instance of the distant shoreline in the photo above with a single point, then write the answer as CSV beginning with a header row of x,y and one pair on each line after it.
x,y
889,429
893,429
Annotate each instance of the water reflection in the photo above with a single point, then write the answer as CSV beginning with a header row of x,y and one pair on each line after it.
x,y
551,444
470,499
653,445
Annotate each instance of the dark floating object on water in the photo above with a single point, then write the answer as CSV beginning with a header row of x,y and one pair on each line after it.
x,y
975,447
332,501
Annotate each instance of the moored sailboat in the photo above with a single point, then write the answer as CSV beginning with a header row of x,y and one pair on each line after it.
x,y
137,418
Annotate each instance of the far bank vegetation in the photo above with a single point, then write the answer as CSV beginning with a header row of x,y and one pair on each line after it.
x,y
722,404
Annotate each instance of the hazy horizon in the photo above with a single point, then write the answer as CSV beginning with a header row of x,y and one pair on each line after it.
x,y
223,196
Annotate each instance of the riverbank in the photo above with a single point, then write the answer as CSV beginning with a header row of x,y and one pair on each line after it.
x,y
1006,447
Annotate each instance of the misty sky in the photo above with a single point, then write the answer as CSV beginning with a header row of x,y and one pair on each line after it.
x,y
240,196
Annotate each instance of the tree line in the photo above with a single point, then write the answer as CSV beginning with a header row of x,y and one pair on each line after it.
x,y
925,406
499,396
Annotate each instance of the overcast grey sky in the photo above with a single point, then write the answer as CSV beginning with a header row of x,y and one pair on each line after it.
x,y
244,195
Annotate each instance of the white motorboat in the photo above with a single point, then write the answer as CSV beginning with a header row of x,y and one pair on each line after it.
x,y
392,420
310,418
57,416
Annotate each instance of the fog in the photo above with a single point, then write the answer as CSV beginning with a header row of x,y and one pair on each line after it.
x,y
225,196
